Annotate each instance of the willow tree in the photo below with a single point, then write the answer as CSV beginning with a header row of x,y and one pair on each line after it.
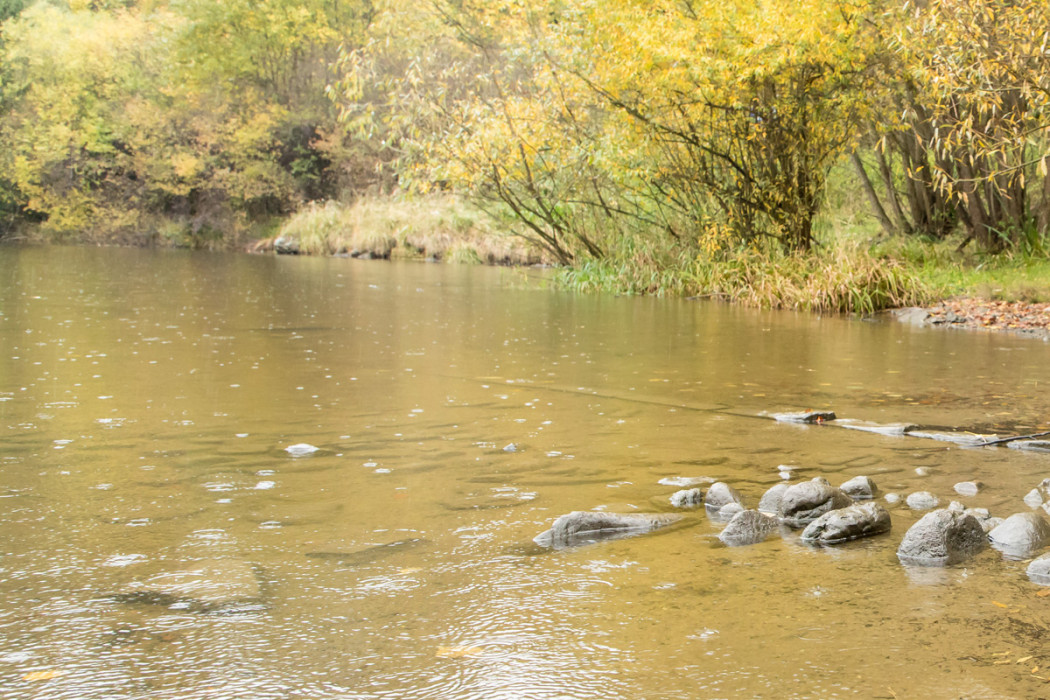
x,y
982,71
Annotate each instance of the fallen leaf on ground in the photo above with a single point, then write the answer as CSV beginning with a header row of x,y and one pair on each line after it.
x,y
1025,658
42,675
997,604
1043,593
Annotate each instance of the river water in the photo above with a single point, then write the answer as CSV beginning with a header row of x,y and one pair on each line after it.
x,y
147,398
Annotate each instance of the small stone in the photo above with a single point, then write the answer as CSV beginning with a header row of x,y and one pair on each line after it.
x,y
957,507
511,448
860,487
719,494
301,449
922,500
968,488
892,498
747,527
922,471
687,498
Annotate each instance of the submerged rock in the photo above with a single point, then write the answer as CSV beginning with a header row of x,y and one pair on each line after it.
x,y
850,523
892,498
207,585
301,449
719,494
922,500
959,438
1030,445
804,417
687,498
1039,570
942,537
803,503
770,502
1021,534
1033,499
586,526
748,527
880,428
860,487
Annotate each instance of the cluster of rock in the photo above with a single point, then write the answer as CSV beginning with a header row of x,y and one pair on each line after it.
x,y
831,515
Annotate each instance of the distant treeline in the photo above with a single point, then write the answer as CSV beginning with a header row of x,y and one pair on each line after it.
x,y
596,126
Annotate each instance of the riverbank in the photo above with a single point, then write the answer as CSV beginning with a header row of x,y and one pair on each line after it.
x,y
1022,318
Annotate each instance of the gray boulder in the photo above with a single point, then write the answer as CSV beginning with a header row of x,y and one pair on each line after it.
x,y
1039,570
748,527
860,487
853,522
687,498
1021,534
922,500
942,537
586,526
770,502
286,245
719,494
803,503
210,584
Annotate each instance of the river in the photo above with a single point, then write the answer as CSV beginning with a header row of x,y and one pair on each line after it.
x,y
147,399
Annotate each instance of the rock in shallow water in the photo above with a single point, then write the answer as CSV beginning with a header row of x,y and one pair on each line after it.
x,y
922,500
301,449
687,498
942,537
803,503
1039,570
748,527
1020,535
853,522
586,526
968,488
860,487
770,502
720,494
210,584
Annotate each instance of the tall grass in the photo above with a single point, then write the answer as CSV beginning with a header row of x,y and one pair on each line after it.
x,y
843,280
436,227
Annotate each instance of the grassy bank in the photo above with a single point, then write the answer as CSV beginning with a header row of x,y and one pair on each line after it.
x,y
437,227
851,272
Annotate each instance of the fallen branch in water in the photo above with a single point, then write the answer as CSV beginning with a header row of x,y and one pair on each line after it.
x,y
1002,441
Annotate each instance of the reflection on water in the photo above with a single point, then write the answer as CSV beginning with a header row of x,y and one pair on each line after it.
x,y
147,400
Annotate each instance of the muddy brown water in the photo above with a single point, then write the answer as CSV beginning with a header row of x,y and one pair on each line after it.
x,y
146,399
